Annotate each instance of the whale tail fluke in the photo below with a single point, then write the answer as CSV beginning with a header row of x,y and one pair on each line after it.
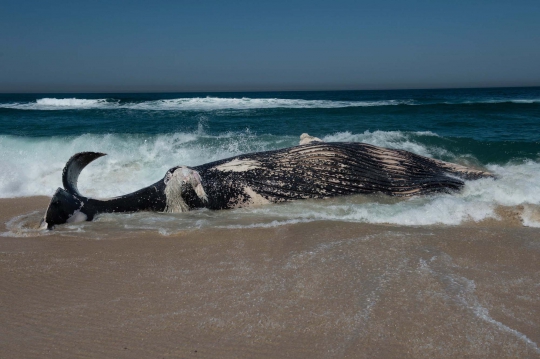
x,y
63,208
66,203
73,168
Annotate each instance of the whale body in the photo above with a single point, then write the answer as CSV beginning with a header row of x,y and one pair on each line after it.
x,y
314,169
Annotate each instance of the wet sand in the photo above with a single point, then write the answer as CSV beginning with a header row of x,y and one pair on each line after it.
x,y
310,290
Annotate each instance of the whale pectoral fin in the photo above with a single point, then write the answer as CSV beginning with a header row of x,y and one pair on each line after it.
x,y
199,190
307,139
178,179
194,179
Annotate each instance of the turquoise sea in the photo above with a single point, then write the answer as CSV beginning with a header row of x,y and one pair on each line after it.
x,y
145,134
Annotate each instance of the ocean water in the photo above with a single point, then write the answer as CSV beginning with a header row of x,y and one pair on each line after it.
x,y
146,134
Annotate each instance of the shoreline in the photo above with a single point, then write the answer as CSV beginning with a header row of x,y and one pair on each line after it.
x,y
306,290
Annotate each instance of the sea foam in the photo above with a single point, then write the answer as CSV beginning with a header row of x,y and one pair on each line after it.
x,y
70,102
225,103
61,104
193,104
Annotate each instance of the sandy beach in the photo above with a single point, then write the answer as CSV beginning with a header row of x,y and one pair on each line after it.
x,y
309,290
285,179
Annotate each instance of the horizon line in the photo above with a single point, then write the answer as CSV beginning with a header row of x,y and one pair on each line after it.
x,y
261,90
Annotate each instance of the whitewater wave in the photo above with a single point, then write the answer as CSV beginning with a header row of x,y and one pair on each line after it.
x,y
220,103
33,166
193,104
216,103
61,104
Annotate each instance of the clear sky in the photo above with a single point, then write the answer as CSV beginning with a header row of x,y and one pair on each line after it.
x,y
111,46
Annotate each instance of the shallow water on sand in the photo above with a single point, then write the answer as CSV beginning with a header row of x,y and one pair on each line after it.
x,y
324,289
438,211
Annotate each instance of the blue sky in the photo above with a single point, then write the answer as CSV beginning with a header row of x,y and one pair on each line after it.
x,y
109,46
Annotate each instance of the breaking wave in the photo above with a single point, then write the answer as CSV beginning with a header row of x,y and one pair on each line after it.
x,y
193,104
220,103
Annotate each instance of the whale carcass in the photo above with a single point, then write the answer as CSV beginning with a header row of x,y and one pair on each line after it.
x,y
314,169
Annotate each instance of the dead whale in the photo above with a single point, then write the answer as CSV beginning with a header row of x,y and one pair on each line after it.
x,y
314,169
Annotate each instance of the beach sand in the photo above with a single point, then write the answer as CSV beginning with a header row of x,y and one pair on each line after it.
x,y
307,290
